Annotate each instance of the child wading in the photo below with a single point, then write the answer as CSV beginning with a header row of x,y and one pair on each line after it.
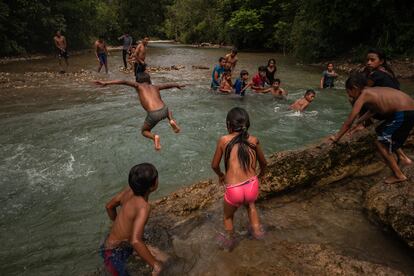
x,y
129,222
150,98
397,109
241,153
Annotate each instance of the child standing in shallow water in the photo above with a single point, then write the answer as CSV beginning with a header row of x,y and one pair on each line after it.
x,y
241,153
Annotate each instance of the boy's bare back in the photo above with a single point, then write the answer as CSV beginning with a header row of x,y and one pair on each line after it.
x,y
134,211
385,100
300,105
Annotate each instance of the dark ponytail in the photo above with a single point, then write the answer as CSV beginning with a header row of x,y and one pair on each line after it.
x,y
238,121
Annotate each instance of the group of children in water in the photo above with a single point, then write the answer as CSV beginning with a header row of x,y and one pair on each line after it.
x,y
263,81
373,93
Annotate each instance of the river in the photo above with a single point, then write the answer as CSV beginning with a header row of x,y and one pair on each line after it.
x,y
67,145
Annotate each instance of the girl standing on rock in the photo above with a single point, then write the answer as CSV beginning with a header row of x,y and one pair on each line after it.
x,y
241,153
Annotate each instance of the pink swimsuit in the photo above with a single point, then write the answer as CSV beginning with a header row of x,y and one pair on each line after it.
x,y
242,193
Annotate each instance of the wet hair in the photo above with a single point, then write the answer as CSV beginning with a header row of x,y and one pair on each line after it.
x,y
238,121
262,69
277,80
243,72
381,55
142,178
271,60
310,91
356,79
143,78
234,50
221,59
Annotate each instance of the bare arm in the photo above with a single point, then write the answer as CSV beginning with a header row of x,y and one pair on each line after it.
x,y
96,50
113,203
322,80
215,163
136,238
122,82
170,85
261,158
348,123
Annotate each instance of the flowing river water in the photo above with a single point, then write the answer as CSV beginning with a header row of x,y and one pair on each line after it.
x,y
67,147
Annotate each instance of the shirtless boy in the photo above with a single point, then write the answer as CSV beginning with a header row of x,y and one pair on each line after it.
x,y
398,109
278,92
101,54
231,59
60,43
129,222
139,57
303,103
150,99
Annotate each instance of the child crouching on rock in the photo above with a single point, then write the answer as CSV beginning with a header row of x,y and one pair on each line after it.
x,y
129,222
397,110
241,153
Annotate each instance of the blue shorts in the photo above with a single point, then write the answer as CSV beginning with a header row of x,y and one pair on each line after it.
x,y
102,58
395,130
115,259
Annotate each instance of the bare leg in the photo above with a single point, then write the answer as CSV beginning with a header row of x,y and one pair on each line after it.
x,y
229,211
176,128
254,220
146,132
392,163
403,158
100,67
106,68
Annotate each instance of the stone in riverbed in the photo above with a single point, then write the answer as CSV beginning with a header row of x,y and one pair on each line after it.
x,y
393,205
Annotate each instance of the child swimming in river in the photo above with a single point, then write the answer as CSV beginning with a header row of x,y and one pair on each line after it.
x,y
241,153
303,103
150,98
225,83
278,92
128,223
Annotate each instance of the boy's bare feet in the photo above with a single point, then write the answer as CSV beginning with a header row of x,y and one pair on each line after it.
x,y
157,142
174,126
393,179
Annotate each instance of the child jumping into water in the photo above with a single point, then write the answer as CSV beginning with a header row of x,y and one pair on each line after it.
x,y
241,153
150,98
128,223
303,103
398,110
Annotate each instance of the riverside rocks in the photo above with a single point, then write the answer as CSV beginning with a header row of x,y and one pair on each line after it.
x,y
393,205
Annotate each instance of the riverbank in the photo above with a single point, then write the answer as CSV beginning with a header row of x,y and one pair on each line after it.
x,y
403,67
334,180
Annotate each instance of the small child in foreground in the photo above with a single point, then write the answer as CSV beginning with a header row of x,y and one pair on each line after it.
x,y
278,92
129,222
395,106
150,98
241,152
303,103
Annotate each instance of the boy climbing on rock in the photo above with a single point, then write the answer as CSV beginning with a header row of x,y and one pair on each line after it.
x,y
150,98
398,110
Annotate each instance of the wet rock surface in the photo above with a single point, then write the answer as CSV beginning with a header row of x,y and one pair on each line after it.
x,y
393,205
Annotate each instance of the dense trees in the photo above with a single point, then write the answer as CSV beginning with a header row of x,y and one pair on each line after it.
x,y
310,29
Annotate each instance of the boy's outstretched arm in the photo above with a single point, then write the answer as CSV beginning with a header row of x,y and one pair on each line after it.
x,y
170,85
351,118
119,82
138,243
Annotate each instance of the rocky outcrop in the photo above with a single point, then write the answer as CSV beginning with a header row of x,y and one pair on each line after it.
x,y
323,163
393,205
